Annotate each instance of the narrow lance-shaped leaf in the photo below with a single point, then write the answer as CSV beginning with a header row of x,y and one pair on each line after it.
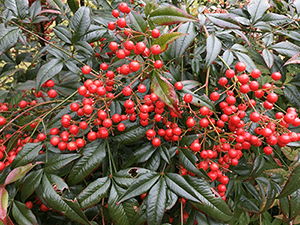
x,y
140,186
93,193
27,154
258,167
165,91
212,205
18,7
80,22
59,161
292,183
213,48
168,15
63,206
18,173
121,213
3,203
48,71
257,8
31,183
93,155
225,20
156,202
137,21
22,214
286,48
8,37
164,40
268,58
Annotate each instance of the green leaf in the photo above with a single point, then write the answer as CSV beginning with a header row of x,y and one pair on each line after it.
x,y
59,161
180,187
22,214
131,134
3,203
30,184
164,153
57,181
93,155
187,140
167,15
18,7
12,142
181,44
18,173
286,48
121,213
93,193
295,204
153,162
56,3
156,202
213,48
164,40
47,71
258,167
225,20
268,58
137,21
140,186
188,161
35,9
94,33
257,8
74,5
63,33
292,183
291,92
165,91
243,57
80,23
251,189
141,216
27,154
211,204
275,19
8,37
124,178
248,205
70,209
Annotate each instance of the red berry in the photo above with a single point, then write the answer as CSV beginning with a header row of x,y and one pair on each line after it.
x,y
44,208
121,22
2,121
214,96
188,98
123,7
178,85
158,64
129,45
86,69
268,150
111,25
52,93
155,33
29,204
113,46
23,104
255,73
115,13
121,127
230,73
126,91
276,76
240,66
155,49
190,122
156,142
134,66
142,88
223,81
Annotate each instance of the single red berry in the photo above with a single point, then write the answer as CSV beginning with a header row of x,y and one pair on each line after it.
x,y
214,96
155,33
121,22
115,13
129,45
23,104
2,121
158,64
44,208
121,127
268,150
113,46
178,85
134,66
223,81
111,25
123,7
86,69
190,122
121,54
276,76
126,91
230,73
155,49
29,204
142,88
240,66
156,142
188,98
52,93
255,73
50,83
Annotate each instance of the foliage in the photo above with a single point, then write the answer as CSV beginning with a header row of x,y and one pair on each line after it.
x,y
96,132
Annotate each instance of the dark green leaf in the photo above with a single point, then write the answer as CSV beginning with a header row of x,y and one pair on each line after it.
x,y
63,33
137,21
292,183
179,186
94,33
18,7
188,161
93,193
124,178
30,184
131,134
165,91
286,48
59,161
74,5
70,209
80,23
257,8
181,44
153,162
248,205
295,204
93,155
121,213
225,20
275,19
27,154
213,48
35,9
164,40
291,92
57,181
48,71
140,186
8,37
56,3
164,153
168,15
18,173
211,204
251,189
156,202
258,167
268,57
22,214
